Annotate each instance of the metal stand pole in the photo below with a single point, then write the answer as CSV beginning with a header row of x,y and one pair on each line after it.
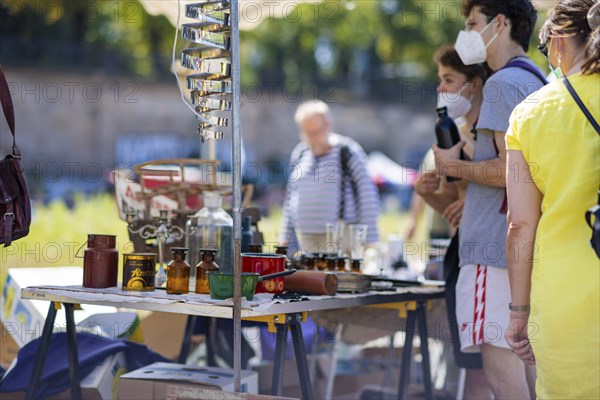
x,y
237,195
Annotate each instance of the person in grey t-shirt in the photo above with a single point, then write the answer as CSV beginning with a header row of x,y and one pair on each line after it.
x,y
497,32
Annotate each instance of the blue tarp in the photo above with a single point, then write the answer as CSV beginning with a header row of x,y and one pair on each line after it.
x,y
92,350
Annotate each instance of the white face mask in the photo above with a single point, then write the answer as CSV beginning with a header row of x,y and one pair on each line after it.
x,y
470,45
456,103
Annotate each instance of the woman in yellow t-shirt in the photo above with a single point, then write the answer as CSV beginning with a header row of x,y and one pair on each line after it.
x,y
553,174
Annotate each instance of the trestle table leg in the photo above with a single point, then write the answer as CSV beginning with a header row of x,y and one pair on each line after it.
x,y
424,350
40,358
187,339
72,352
279,360
406,353
300,354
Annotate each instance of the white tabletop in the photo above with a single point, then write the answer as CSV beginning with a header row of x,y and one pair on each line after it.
x,y
203,305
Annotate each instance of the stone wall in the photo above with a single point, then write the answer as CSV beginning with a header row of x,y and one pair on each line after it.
x,y
69,124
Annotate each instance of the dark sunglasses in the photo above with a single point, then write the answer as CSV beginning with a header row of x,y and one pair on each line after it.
x,y
543,48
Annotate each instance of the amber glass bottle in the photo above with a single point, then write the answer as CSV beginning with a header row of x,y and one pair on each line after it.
x,y
207,264
178,272
356,266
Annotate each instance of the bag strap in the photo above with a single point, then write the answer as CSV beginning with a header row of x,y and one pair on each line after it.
x,y
345,155
590,118
527,67
582,106
9,111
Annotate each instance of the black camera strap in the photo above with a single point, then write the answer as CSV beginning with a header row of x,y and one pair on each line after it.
x,y
584,109
596,209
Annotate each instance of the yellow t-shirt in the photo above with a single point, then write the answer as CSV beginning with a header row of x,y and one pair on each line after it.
x,y
563,152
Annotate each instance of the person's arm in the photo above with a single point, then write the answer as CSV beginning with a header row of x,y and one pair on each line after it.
x,y
524,213
417,205
489,172
426,186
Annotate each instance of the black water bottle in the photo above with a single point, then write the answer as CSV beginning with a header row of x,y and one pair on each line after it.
x,y
447,134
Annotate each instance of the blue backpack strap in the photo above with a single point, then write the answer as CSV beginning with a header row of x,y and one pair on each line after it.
x,y
527,67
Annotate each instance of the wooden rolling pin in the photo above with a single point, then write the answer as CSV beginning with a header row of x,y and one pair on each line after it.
x,y
311,282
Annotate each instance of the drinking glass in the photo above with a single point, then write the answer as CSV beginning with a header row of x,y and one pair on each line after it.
x,y
334,238
358,237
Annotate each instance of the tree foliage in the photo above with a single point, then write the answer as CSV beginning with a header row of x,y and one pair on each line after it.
x,y
348,42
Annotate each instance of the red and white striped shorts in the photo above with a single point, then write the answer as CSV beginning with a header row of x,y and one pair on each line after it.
x,y
482,297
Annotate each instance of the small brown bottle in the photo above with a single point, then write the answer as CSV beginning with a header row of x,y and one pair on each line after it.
x,y
331,263
308,261
356,266
207,264
321,262
283,250
178,272
341,264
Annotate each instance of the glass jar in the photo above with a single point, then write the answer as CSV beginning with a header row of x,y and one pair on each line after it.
x,y
207,264
211,228
178,272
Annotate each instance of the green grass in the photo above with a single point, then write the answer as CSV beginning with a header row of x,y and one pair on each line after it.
x,y
57,232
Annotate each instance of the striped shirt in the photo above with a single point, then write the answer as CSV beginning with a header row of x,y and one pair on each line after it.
x,y
314,188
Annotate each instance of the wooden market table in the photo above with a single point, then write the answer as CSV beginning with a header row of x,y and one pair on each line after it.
x,y
281,315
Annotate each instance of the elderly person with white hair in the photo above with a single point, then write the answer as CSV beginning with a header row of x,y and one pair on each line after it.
x,y
329,183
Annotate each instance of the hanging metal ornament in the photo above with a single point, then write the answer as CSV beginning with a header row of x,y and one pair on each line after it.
x,y
210,85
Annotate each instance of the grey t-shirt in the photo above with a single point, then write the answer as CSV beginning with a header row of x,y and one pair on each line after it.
x,y
483,226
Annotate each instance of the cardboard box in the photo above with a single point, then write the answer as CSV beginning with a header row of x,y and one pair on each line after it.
x,y
186,392
290,385
163,332
153,381
8,348
100,384
23,320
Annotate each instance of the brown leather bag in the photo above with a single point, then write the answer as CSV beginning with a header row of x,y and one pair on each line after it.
x,y
15,207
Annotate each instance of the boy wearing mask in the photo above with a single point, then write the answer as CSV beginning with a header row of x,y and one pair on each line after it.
x,y
497,31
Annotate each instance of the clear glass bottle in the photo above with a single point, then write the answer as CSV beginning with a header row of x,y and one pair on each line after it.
x,y
207,264
211,228
178,272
